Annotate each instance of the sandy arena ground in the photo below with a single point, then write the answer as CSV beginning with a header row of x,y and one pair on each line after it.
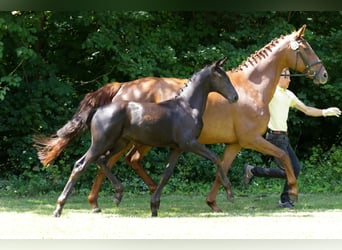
x,y
285,225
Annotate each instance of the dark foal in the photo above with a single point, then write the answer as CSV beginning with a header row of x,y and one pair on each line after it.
x,y
175,123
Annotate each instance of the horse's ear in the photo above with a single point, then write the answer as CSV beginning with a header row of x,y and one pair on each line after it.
x,y
220,62
300,32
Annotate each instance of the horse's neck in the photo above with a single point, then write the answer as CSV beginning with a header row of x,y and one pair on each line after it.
x,y
264,76
261,71
264,84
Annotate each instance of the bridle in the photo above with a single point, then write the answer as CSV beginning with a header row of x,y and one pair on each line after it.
x,y
308,72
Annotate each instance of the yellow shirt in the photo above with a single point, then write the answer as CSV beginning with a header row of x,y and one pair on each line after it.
x,y
279,107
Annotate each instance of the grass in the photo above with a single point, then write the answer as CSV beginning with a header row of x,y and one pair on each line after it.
x,y
172,205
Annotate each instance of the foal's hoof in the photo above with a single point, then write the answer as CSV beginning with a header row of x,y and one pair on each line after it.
x,y
293,197
96,210
116,202
117,199
230,198
214,207
154,207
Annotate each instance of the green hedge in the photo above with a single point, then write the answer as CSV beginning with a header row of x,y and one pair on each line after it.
x,y
50,60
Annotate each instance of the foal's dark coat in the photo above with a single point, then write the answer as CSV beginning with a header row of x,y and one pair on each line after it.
x,y
175,123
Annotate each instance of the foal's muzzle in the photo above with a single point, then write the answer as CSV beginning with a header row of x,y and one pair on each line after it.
x,y
233,98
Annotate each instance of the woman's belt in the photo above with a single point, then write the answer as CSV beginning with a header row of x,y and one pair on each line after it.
x,y
276,132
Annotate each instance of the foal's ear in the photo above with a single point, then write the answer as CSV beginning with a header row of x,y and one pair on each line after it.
x,y
220,62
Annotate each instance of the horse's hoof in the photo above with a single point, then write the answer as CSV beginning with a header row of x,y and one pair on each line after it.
x,y
96,210
293,197
214,207
154,214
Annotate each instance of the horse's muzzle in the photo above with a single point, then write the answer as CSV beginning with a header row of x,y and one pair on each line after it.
x,y
321,78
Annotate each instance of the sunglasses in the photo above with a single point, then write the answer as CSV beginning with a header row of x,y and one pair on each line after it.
x,y
286,75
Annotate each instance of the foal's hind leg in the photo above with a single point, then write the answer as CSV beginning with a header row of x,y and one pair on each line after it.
x,y
77,171
95,189
118,187
133,159
103,163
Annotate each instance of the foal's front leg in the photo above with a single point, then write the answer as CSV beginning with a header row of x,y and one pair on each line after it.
x,y
95,189
197,148
155,199
229,155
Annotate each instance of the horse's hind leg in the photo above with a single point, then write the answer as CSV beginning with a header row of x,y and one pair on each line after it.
x,y
134,158
155,199
77,171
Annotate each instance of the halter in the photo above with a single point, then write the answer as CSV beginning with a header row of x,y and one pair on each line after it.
x,y
307,71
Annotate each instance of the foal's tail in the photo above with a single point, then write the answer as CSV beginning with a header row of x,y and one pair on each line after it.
x,y
49,148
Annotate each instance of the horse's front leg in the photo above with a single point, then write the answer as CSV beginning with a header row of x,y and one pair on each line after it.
x,y
263,146
155,199
229,155
197,148
78,169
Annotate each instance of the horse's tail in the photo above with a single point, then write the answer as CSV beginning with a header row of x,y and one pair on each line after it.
x,y
49,148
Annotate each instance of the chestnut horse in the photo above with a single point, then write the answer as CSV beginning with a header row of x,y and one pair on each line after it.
x,y
175,123
239,125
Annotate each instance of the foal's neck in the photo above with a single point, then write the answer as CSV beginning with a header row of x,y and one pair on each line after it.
x,y
195,94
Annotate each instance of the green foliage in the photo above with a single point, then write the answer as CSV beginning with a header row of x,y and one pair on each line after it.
x,y
50,60
322,170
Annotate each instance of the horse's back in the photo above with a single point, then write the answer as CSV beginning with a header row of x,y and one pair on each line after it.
x,y
150,89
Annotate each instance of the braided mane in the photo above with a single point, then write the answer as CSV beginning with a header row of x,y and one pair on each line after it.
x,y
179,92
260,54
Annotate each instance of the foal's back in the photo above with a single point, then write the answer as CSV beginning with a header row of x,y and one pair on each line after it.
x,y
161,125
